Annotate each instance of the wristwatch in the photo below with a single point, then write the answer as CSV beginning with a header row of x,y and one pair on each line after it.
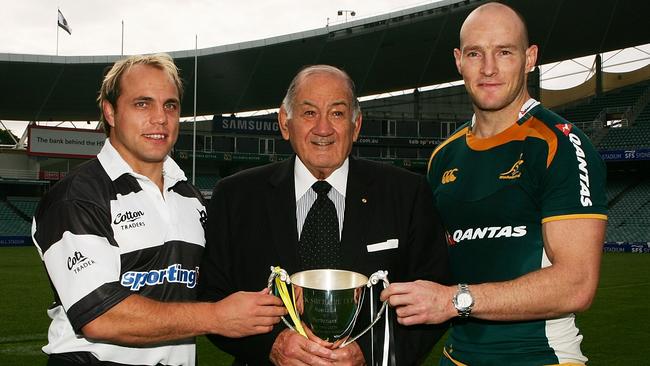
x,y
463,300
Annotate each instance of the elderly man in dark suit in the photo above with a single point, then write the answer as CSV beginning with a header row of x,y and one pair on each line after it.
x,y
373,216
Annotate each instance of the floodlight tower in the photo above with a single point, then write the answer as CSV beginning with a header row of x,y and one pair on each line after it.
x,y
346,12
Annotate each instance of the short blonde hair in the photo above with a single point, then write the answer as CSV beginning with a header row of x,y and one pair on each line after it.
x,y
111,85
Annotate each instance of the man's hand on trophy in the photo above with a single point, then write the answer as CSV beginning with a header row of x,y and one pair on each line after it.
x,y
349,355
420,302
247,313
290,348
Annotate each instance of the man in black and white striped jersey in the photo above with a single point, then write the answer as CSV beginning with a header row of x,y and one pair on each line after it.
x,y
122,236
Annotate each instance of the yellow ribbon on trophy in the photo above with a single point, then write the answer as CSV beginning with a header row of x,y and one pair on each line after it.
x,y
290,303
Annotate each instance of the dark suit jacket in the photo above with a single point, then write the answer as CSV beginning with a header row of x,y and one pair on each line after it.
x,y
252,226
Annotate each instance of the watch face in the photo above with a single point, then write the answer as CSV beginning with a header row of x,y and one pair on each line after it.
x,y
464,300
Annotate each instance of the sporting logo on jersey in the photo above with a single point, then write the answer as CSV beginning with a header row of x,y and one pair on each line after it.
x,y
129,220
565,128
514,172
449,176
172,274
585,193
492,232
78,262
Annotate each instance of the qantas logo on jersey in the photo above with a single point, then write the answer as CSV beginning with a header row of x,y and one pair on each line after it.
x,y
492,232
172,274
565,128
450,240
129,219
585,193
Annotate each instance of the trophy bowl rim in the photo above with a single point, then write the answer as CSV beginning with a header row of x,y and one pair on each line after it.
x,y
328,279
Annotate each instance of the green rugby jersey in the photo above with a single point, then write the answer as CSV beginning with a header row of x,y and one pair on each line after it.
x,y
494,194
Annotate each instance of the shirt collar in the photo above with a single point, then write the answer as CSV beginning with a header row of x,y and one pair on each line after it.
x,y
115,166
528,105
304,179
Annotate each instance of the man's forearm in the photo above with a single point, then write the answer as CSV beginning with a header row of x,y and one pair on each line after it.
x,y
574,247
138,320
543,294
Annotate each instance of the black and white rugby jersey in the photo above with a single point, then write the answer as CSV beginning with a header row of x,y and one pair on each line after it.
x,y
104,233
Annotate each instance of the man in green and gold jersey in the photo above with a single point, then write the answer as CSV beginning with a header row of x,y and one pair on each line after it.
x,y
521,192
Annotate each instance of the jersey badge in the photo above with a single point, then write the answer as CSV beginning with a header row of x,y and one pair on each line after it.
x,y
565,128
203,217
449,176
450,239
514,172
78,262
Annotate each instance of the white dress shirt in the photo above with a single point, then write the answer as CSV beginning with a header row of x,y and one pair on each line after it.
x,y
305,195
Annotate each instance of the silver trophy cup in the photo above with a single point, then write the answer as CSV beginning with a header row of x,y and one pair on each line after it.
x,y
325,302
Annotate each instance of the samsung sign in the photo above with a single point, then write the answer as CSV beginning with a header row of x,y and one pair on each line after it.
x,y
245,126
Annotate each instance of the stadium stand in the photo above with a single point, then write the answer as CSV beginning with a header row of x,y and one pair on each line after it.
x,y
629,211
11,223
26,205
619,106
587,111
206,182
636,135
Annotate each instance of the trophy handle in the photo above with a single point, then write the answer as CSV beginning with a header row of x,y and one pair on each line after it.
x,y
373,280
281,279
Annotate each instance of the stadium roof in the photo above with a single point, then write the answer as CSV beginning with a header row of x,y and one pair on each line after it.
x,y
395,51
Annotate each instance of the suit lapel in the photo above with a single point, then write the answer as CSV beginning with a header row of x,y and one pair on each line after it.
x,y
359,203
281,211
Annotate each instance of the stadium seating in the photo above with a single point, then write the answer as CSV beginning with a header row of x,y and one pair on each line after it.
x,y
206,182
635,136
11,224
588,110
629,213
26,205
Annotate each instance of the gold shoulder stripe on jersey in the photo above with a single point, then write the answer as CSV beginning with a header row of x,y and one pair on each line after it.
x,y
451,138
574,216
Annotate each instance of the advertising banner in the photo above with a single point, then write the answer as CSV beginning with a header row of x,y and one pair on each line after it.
x,y
64,142
245,126
624,247
625,155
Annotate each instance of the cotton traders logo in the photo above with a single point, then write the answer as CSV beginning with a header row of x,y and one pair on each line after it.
x,y
172,274
492,232
129,219
78,262
203,219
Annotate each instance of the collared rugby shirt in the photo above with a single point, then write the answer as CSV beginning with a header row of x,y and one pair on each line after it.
x,y
494,195
104,233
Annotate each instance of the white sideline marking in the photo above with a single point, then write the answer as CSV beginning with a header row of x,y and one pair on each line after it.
x,y
625,286
24,338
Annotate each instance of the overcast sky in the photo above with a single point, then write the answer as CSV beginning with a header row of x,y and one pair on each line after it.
x,y
29,26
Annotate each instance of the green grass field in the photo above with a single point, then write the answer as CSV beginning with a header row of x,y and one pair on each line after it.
x,y
615,328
